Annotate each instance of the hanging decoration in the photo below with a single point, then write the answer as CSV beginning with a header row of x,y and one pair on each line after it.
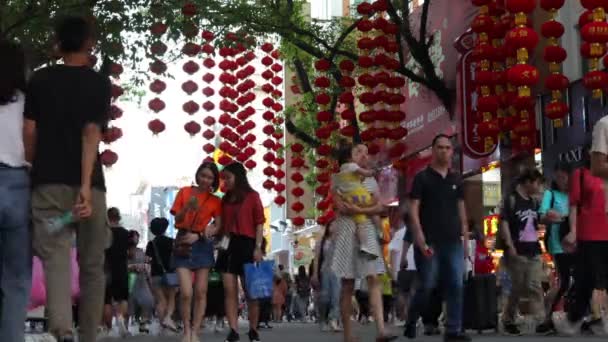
x,y
522,40
297,164
594,33
485,75
554,54
207,50
158,67
226,105
325,118
190,50
113,133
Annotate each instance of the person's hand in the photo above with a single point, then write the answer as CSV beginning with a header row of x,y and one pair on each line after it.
x,y
570,238
257,255
211,231
467,255
83,208
403,264
189,238
512,251
553,216
192,203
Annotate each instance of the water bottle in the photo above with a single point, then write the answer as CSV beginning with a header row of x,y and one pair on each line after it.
x,y
56,224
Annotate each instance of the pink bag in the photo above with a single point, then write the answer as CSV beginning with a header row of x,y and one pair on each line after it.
x,y
38,292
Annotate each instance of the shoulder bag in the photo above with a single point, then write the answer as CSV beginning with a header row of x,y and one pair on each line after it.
x,y
167,279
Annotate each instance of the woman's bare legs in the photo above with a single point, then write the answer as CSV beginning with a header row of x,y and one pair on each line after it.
x,y
346,308
375,300
185,282
200,297
231,294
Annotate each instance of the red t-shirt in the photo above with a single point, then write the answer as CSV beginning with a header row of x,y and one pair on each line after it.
x,y
591,221
483,260
243,218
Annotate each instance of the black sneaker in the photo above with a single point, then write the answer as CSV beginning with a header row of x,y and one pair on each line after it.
x,y
546,328
512,330
431,330
66,338
253,336
457,337
233,336
410,331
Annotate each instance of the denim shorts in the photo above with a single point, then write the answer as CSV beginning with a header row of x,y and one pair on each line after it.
x,y
201,256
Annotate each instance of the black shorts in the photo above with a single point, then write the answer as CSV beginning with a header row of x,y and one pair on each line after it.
x,y
239,252
593,255
117,288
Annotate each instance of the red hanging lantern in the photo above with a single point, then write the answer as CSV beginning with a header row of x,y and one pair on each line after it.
x,y
193,128
156,126
108,158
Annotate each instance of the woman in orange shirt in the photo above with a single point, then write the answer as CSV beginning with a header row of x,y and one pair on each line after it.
x,y
194,209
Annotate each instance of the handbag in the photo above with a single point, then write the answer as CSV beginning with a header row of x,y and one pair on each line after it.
x,y
167,279
259,279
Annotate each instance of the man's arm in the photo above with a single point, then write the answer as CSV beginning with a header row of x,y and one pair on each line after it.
x,y
416,227
464,226
599,149
406,248
506,235
599,165
91,137
365,172
29,139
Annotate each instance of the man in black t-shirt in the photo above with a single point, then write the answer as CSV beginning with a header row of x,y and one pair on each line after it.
x,y
66,110
438,222
117,288
519,231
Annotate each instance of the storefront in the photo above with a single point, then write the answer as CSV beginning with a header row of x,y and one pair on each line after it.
x,y
566,143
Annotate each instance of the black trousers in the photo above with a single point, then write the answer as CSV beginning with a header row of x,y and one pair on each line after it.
x,y
589,274
564,264
431,316
265,310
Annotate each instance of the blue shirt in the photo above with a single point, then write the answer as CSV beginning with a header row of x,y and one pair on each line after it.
x,y
562,206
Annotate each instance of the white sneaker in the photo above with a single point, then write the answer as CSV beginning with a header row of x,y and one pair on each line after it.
x,y
565,327
169,324
334,326
122,327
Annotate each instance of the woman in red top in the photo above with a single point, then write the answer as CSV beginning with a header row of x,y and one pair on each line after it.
x,y
589,234
194,208
242,220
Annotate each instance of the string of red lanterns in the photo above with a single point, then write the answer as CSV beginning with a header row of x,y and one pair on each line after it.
x,y
226,105
268,116
244,101
158,67
191,50
207,50
108,157
323,133
521,41
297,164
554,54
594,33
485,76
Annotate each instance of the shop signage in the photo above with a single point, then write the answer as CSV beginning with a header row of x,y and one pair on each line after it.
x,y
573,156
426,115
472,142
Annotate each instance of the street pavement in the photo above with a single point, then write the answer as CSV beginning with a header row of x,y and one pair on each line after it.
x,y
291,332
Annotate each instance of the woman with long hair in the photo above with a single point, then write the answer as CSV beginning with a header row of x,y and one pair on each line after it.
x,y
15,254
554,210
325,279
348,263
194,208
242,222
159,251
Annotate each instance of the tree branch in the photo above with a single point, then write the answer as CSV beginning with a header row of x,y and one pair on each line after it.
x,y
302,75
423,21
299,134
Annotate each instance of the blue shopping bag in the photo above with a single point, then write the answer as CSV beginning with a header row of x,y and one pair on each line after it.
x,y
259,279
